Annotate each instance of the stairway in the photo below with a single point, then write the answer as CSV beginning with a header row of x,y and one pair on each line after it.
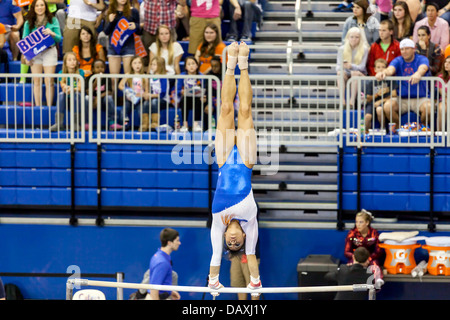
x,y
304,186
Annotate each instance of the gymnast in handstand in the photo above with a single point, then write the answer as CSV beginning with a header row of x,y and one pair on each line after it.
x,y
234,208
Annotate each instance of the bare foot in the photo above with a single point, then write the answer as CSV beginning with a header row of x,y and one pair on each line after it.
x,y
243,49
233,49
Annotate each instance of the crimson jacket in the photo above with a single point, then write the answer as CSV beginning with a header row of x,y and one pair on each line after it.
x,y
355,239
376,52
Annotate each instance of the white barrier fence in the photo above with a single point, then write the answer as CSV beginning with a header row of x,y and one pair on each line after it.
x,y
394,112
301,110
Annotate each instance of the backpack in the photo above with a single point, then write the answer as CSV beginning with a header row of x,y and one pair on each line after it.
x,y
12,292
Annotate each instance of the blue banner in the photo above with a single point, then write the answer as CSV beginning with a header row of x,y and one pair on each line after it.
x,y
120,35
35,43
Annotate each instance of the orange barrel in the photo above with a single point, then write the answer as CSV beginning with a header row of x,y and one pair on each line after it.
x,y
399,256
439,254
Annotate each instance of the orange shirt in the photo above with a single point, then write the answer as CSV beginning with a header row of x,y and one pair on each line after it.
x,y
205,63
84,64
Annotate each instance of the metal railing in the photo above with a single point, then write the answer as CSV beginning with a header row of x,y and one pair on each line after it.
x,y
125,112
23,119
387,126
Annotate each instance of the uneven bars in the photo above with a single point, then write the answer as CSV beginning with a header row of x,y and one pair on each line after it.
x,y
85,282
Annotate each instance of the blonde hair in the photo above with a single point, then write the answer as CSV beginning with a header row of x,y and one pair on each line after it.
x,y
360,49
161,63
366,215
169,45
64,66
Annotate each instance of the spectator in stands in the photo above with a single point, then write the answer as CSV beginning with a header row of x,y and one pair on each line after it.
x,y
159,90
429,49
191,93
414,93
70,66
403,22
155,13
344,6
438,27
88,50
106,100
12,19
136,95
3,53
363,235
247,11
216,70
182,26
166,47
355,273
210,46
116,11
385,47
415,10
80,13
46,61
353,57
362,18
203,14
444,7
376,93
445,76
161,266
385,8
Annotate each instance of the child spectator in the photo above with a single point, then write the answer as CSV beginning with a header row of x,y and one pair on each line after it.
x,y
88,50
70,66
117,10
106,100
159,89
39,15
377,93
191,94
167,48
429,49
211,46
136,95
444,75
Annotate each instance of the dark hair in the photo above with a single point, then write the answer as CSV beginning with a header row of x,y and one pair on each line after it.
x,y
361,254
427,30
431,4
31,16
166,235
193,59
445,73
92,43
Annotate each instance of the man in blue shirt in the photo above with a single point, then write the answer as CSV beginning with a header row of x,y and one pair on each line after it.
x,y
413,95
161,265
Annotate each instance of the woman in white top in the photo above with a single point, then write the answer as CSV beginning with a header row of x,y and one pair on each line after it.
x,y
353,57
167,48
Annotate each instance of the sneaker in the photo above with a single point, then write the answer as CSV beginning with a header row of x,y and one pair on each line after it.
x,y
341,8
231,38
184,129
196,127
246,39
115,126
